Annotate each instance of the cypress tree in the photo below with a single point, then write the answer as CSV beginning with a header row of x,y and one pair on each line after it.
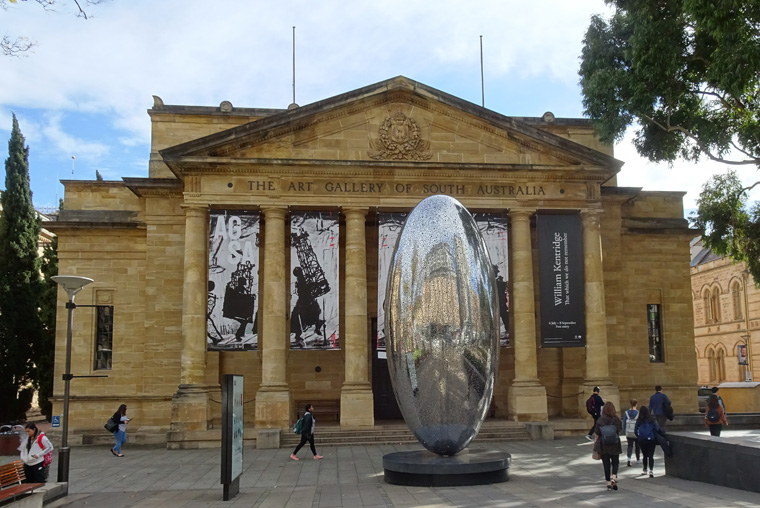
x,y
21,332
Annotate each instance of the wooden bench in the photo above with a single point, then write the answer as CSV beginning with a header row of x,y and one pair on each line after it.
x,y
321,407
11,478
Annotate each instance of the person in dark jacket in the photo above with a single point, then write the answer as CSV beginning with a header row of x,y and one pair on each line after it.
x,y
307,434
610,452
659,406
646,428
598,403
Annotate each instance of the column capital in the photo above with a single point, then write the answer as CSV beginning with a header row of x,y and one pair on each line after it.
x,y
194,209
591,214
521,213
360,211
274,212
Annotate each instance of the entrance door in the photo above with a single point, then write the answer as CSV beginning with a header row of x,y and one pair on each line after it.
x,y
385,404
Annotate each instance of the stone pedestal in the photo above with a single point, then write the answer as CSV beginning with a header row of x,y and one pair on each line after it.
x,y
540,431
268,438
273,408
356,406
422,468
527,402
190,411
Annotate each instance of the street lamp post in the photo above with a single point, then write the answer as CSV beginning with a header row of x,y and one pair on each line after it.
x,y
72,285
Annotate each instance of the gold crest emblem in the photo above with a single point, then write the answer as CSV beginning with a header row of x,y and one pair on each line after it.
x,y
400,139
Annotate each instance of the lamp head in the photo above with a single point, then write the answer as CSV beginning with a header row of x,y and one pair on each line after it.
x,y
72,284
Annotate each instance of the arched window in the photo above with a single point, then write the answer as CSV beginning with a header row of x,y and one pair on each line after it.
x,y
721,366
715,305
736,300
712,366
706,306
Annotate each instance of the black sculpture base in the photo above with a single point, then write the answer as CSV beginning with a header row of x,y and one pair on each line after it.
x,y
421,468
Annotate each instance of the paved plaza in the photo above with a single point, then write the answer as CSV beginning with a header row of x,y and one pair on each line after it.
x,y
555,473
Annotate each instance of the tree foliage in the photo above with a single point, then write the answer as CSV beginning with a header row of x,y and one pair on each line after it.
x,y
686,73
730,225
20,327
10,46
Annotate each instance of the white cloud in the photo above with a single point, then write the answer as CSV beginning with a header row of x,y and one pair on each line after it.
x,y
682,175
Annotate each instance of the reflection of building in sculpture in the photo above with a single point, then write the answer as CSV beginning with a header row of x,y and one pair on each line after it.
x,y
145,243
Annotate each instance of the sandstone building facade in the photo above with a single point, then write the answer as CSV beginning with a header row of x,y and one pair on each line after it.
x,y
726,317
356,156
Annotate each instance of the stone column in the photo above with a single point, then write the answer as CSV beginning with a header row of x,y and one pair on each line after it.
x,y
356,402
273,397
597,361
190,411
527,396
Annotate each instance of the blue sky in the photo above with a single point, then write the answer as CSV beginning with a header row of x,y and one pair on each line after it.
x,y
85,88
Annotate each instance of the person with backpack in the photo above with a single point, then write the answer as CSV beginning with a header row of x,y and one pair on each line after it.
x,y
607,430
629,426
594,408
307,434
120,434
715,417
720,399
36,454
645,429
660,407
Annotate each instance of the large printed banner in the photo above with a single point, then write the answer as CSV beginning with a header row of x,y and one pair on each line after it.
x,y
314,263
389,228
560,272
233,280
493,229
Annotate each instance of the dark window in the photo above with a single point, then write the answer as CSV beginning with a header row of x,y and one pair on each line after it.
x,y
654,325
104,337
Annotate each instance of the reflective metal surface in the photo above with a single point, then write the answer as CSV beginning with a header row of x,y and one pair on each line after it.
x,y
442,328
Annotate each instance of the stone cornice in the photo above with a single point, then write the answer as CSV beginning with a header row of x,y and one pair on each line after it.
x,y
154,187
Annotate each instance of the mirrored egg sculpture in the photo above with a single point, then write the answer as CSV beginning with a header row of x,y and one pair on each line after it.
x,y
442,316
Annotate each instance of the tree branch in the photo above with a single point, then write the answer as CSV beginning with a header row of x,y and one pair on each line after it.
x,y
702,148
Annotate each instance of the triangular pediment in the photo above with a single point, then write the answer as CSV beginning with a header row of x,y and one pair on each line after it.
x,y
398,121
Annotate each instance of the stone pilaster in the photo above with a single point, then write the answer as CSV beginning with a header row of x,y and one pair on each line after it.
x,y
273,397
597,361
356,402
190,411
527,396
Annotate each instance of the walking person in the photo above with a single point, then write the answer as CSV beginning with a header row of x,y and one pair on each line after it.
x,y
629,425
608,428
660,407
594,406
34,449
720,399
120,417
646,428
307,434
715,416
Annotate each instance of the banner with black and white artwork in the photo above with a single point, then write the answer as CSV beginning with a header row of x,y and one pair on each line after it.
x,y
560,275
389,228
314,260
233,281
493,229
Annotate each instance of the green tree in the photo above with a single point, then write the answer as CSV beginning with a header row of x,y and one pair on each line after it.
x,y
686,74
20,326
48,299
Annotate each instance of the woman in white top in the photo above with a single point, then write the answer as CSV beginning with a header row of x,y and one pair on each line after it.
x,y
33,450
120,417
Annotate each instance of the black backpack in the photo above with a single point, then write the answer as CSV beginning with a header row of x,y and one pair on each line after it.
x,y
712,415
609,434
